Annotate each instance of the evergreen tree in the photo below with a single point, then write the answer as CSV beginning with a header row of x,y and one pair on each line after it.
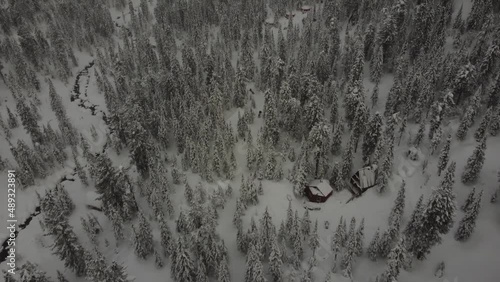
x,y
12,120
360,238
336,141
436,219
201,272
267,233
449,178
182,267
477,15
30,272
80,172
374,97
466,122
436,139
412,225
474,163
188,194
158,260
67,247
372,135
223,272
254,269
314,238
376,64
420,134
397,258
143,240
444,156
275,262
373,246
396,215
481,131
60,277
6,129
347,159
237,221
348,258
470,199
467,224
166,239
495,123
337,241
306,224
117,273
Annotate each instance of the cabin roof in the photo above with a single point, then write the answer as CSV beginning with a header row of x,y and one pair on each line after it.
x,y
366,176
320,187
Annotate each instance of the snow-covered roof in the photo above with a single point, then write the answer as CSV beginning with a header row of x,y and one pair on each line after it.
x,y
321,187
367,176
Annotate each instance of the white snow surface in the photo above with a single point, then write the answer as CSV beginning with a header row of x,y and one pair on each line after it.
x,y
477,259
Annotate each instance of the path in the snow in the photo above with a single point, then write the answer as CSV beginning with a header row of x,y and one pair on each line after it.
x,y
4,251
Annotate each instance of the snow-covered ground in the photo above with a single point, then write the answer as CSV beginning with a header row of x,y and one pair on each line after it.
x,y
477,259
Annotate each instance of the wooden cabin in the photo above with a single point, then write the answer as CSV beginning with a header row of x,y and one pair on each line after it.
x,y
363,179
318,191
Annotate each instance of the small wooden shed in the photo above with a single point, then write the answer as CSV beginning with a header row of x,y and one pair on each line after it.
x,y
318,191
364,179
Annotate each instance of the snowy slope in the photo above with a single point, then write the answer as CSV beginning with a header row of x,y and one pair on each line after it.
x,y
475,260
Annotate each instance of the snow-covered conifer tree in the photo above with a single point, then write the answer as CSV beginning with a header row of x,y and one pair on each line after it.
x,y
31,272
336,141
482,130
376,64
467,224
223,271
67,247
267,233
374,96
436,219
314,238
466,122
372,135
474,163
237,221
305,224
60,277
347,160
166,239
373,246
495,123
188,194
158,260
420,135
444,156
470,199
275,262
143,240
201,272
360,238
254,269
12,120
396,260
412,225
436,139
182,267
397,211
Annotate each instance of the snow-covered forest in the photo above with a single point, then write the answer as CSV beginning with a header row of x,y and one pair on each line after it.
x,y
179,140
